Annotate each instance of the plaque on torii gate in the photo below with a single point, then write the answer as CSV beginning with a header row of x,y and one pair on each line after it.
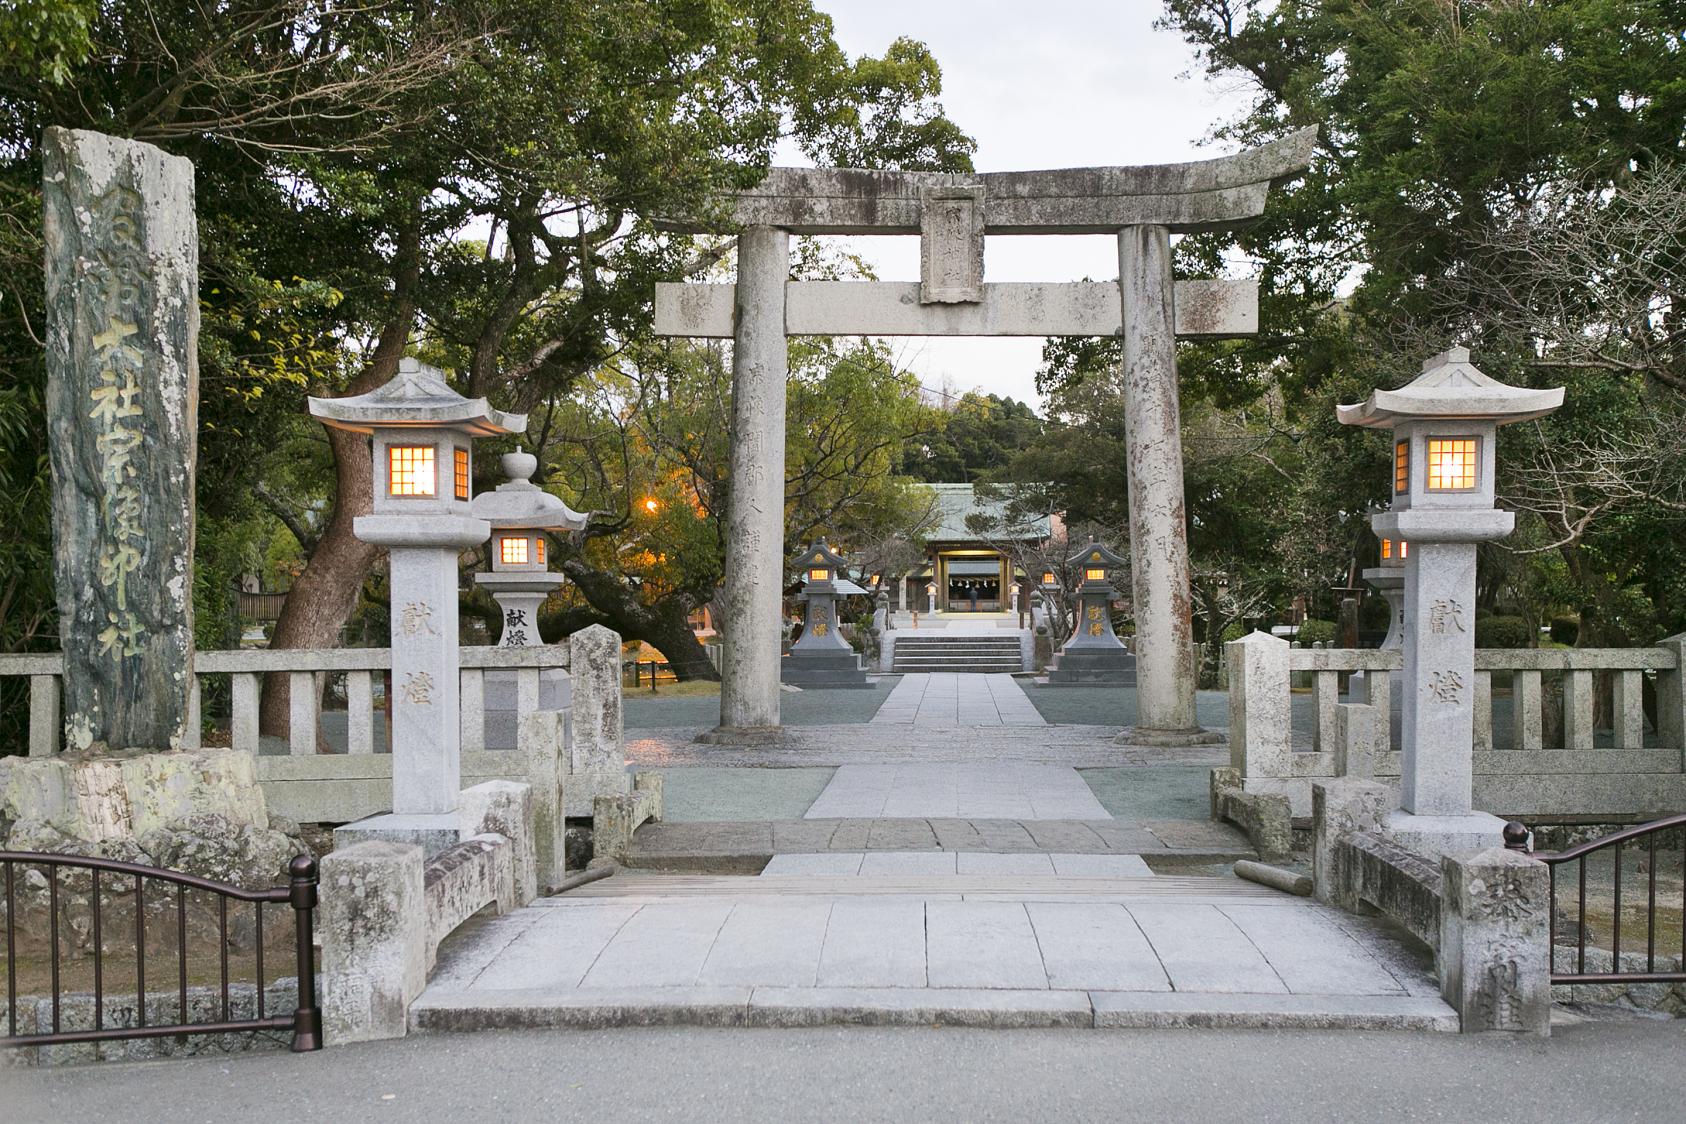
x,y
952,212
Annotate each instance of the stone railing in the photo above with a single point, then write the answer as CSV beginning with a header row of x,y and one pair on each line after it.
x,y
354,778
1621,772
1483,915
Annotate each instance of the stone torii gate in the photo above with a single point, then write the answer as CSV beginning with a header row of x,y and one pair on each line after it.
x,y
952,213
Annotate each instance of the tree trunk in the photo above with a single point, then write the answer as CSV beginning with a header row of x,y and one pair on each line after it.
x,y
664,625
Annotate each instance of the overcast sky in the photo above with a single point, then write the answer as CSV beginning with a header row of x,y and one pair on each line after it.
x,y
1039,84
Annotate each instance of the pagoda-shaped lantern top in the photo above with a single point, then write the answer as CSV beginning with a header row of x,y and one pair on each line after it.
x,y
1095,559
1444,425
521,514
821,566
423,436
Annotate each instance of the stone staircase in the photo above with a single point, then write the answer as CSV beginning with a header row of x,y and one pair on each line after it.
x,y
936,651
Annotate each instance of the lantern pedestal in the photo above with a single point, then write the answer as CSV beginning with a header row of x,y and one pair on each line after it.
x,y
1094,656
820,657
519,596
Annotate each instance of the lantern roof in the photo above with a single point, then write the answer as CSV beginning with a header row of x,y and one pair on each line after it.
x,y
521,503
1096,553
417,396
819,554
1451,387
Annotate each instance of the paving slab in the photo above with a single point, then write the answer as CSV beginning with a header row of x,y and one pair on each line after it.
x,y
907,862
560,948
981,944
985,862
1312,955
1202,950
874,943
1100,866
1094,945
768,944
664,947
950,700
839,862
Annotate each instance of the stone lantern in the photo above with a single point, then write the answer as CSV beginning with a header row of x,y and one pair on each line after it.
x,y
520,514
821,657
421,436
1444,426
1388,579
1094,656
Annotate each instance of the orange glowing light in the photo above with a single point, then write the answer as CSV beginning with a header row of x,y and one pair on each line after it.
x,y
410,470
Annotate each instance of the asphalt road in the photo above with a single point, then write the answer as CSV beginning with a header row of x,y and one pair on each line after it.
x,y
1604,1071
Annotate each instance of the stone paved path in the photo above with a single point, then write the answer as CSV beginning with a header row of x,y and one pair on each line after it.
x,y
946,699
745,846
991,790
996,950
927,863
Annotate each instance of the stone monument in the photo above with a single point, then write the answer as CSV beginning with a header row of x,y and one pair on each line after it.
x,y
952,214
1444,427
821,657
1094,656
521,515
422,435
122,280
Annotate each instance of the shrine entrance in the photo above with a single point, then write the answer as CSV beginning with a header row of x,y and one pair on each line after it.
x,y
952,213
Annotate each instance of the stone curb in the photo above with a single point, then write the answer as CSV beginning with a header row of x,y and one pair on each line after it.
x,y
787,1007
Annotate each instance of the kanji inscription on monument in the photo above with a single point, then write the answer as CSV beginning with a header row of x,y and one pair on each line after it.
x,y
122,408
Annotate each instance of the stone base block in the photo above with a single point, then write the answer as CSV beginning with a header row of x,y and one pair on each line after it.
x,y
432,833
1171,739
580,789
1093,667
748,736
1434,836
823,669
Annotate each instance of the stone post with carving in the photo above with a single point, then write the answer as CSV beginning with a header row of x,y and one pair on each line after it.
x,y
122,278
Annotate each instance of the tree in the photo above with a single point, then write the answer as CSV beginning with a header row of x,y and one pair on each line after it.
x,y
354,147
979,433
647,450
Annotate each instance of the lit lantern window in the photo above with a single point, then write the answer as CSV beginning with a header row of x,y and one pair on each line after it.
x,y
1047,577
1401,467
1387,548
819,574
513,552
1095,574
1451,464
410,470
538,547
1404,549
462,474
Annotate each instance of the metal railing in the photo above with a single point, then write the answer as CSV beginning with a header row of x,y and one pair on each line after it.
x,y
1516,838
300,893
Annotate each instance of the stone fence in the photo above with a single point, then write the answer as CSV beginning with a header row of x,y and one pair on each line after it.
x,y
355,779
1484,916
1630,769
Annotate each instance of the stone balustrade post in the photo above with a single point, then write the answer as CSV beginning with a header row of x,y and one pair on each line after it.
x,y
1260,732
1340,808
1495,941
596,755
1671,697
372,923
540,741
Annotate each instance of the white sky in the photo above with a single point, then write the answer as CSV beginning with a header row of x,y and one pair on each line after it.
x,y
1039,84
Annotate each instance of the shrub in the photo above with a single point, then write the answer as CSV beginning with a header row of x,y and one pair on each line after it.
x,y
1565,631
1314,631
1502,632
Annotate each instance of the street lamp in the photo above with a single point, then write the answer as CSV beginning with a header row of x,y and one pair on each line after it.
x,y
1444,425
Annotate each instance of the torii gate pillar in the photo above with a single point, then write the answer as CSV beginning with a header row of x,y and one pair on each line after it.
x,y
1142,206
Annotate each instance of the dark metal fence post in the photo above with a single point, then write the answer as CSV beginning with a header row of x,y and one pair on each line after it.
x,y
307,1020
1516,837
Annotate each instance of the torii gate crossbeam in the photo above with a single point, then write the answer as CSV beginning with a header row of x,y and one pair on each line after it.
x,y
1143,206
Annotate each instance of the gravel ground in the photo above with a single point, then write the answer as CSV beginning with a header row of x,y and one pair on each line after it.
x,y
645,711
706,795
1152,792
